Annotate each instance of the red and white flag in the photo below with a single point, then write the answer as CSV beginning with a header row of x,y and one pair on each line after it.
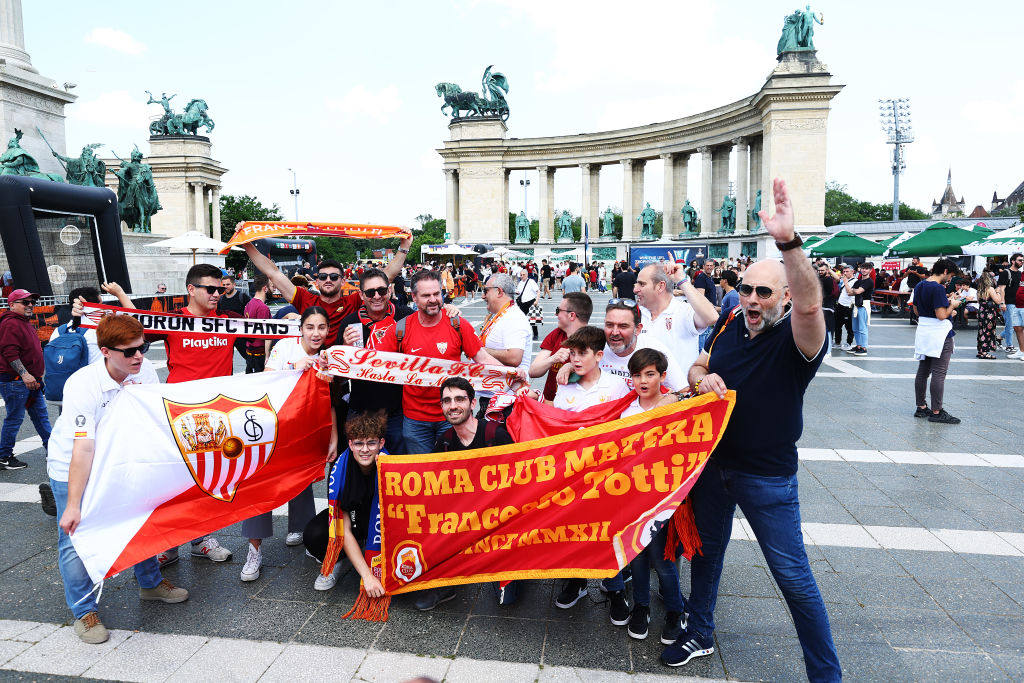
x,y
177,461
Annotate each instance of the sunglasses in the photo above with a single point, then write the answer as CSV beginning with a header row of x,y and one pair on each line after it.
x,y
334,277
563,310
628,303
130,353
375,291
211,289
763,292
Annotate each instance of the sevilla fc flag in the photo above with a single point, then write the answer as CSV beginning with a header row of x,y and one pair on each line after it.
x,y
177,461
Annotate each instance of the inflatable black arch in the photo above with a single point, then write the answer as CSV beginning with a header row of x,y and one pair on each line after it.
x,y
20,195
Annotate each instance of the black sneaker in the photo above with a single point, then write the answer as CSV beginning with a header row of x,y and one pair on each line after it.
x,y
922,412
432,597
572,591
675,624
605,585
12,463
860,351
638,622
618,610
46,498
688,646
944,418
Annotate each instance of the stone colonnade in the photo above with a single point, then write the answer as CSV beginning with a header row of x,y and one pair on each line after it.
x,y
780,131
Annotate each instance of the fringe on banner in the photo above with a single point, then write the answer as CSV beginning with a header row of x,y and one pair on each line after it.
x,y
370,609
682,529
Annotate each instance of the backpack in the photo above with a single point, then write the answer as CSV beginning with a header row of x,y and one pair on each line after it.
x,y
62,357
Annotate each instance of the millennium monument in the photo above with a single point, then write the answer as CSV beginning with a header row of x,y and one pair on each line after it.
x,y
779,131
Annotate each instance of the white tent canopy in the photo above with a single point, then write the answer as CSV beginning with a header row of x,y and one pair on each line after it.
x,y
193,241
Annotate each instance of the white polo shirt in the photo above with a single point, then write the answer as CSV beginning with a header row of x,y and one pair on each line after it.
x,y
676,329
87,393
511,331
608,387
675,376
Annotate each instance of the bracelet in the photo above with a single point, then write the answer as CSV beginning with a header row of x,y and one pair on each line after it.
x,y
404,251
696,387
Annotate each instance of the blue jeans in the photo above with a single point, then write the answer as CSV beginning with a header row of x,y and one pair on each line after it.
x,y
668,575
78,587
420,435
703,338
771,506
16,395
1009,339
860,327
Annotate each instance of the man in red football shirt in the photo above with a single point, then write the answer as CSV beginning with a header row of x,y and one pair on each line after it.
x,y
328,282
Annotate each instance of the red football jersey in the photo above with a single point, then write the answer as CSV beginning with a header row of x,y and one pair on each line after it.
x,y
198,357
336,311
440,341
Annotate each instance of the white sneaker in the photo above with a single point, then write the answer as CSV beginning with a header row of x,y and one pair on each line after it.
x,y
846,346
211,550
293,539
326,583
167,557
253,562
1017,354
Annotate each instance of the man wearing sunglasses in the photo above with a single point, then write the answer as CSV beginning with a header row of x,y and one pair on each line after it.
x,y
572,313
767,352
21,369
328,282
69,461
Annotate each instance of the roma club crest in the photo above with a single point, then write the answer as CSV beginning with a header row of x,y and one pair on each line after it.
x,y
223,441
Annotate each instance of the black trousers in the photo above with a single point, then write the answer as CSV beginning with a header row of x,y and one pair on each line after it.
x,y
844,318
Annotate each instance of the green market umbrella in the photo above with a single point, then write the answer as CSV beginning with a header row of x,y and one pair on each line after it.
x,y
941,239
812,240
902,237
845,243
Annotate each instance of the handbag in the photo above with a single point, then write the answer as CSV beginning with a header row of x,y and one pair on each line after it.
x,y
536,314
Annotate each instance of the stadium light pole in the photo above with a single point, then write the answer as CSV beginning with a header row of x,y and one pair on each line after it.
x,y
526,185
895,120
294,192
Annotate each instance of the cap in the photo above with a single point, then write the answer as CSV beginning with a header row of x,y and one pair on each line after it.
x,y
19,294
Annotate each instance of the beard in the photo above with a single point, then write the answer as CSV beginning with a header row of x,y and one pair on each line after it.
x,y
767,318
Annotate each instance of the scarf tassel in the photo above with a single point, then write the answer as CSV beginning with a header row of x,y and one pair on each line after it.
x,y
336,541
682,529
370,609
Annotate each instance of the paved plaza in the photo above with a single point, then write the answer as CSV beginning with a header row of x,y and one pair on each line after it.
x,y
915,532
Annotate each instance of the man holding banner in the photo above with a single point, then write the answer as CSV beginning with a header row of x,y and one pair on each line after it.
x,y
768,352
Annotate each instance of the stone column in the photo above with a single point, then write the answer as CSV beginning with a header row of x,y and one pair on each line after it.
x,y
669,208
215,200
451,220
742,184
504,200
707,203
755,169
680,177
719,180
12,36
591,210
638,194
628,208
546,195
198,207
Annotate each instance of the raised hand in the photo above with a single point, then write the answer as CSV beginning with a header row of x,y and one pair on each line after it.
x,y
779,226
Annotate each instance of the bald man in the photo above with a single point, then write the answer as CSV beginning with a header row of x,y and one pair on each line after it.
x,y
768,351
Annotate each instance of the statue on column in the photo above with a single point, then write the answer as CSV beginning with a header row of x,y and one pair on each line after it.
x,y
16,161
689,215
798,31
756,211
86,170
522,228
728,214
564,223
137,198
647,218
186,123
608,223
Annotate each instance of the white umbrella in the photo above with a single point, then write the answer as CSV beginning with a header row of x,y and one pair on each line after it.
x,y
192,240
503,252
1012,231
449,250
995,246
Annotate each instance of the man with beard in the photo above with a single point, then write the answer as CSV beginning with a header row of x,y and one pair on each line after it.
x,y
675,323
573,312
829,293
768,353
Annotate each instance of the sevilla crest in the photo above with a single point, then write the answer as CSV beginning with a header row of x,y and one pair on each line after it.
x,y
442,347
223,441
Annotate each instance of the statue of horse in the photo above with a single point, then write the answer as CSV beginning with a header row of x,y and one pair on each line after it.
x,y
189,121
458,99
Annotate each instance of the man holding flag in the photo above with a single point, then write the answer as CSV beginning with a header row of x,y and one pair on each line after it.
x,y
70,453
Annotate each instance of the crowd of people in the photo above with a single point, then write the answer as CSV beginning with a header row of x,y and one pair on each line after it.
x,y
666,333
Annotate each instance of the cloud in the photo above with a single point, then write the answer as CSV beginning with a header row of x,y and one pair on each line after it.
x,y
359,101
115,40
118,108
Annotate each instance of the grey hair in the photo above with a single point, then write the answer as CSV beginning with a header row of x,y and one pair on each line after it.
x,y
658,274
503,282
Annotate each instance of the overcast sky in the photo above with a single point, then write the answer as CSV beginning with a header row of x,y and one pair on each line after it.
x,y
343,93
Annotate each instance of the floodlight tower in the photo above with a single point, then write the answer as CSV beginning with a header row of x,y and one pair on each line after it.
x,y
895,119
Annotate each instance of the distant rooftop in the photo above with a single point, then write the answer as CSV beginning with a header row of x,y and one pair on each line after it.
x,y
885,228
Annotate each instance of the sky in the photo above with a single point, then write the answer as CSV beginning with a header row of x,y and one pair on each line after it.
x,y
343,93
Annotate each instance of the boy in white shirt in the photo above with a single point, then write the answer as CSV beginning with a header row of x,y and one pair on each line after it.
x,y
586,348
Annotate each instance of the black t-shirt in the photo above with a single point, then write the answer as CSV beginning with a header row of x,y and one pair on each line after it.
x,y
367,396
869,288
488,433
235,303
705,282
1011,280
624,283
828,289
545,271
770,376
357,497
929,295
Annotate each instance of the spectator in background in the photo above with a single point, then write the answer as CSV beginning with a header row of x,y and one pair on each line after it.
x,y
829,293
861,290
933,341
21,374
257,309
989,301
730,299
623,282
573,282
1008,284
844,308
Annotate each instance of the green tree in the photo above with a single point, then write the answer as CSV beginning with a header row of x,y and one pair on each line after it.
x,y
234,209
1010,212
841,207
432,232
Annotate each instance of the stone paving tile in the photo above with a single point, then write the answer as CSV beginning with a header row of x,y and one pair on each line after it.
x,y
502,639
300,662
889,591
752,657
970,595
903,538
752,615
942,667
62,653
566,644
229,659
920,629
146,657
998,568
426,633
474,671
387,667
9,649
568,674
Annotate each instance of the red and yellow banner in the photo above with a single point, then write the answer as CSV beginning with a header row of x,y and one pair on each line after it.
x,y
256,230
580,504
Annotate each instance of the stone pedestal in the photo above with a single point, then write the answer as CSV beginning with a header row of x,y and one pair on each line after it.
x,y
482,181
150,266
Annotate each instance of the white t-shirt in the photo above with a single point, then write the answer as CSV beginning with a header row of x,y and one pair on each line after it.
x,y
676,329
608,387
86,396
675,376
90,341
286,354
633,408
526,290
511,331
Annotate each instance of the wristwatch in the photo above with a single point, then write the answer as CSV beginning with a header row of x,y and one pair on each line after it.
x,y
404,251
792,244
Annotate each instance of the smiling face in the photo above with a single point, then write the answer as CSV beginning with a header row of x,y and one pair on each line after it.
x,y
761,313
314,332
619,329
456,405
375,302
427,295
201,296
647,382
365,451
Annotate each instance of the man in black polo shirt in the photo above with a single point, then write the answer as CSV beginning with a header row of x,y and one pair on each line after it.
x,y
624,282
768,352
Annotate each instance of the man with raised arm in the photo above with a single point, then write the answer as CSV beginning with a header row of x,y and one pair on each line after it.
x,y
767,351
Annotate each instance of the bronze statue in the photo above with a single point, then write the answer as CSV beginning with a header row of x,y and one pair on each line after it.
x,y
186,123
522,228
490,103
86,170
136,193
565,227
16,161
798,31
647,218
728,214
689,217
755,212
608,223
